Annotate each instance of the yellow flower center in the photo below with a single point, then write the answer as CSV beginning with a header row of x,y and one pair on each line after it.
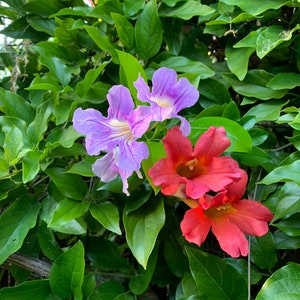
x,y
191,169
219,212
121,129
163,102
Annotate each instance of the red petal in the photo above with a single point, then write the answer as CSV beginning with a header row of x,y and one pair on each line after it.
x,y
236,189
230,237
212,143
195,225
251,217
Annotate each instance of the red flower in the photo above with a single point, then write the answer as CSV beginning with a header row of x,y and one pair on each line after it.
x,y
190,173
228,217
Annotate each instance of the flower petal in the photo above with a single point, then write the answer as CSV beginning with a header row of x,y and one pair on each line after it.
x,y
130,155
212,143
230,237
251,217
143,90
185,126
120,103
139,120
87,121
236,189
195,225
106,168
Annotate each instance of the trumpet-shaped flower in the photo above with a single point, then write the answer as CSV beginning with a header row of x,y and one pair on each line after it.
x,y
190,173
115,134
228,217
168,96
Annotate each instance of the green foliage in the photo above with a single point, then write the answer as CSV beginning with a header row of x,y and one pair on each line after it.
x,y
89,239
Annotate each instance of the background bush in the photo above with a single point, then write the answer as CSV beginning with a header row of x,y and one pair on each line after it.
x,y
66,235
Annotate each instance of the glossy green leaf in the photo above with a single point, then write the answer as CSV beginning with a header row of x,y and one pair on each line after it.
x,y
263,251
287,173
183,64
15,222
284,80
284,241
31,165
83,167
70,185
107,214
124,29
132,7
68,210
38,289
254,85
67,273
157,152
13,144
139,283
142,227
269,111
187,10
290,225
214,278
239,137
257,7
271,37
47,242
130,71
238,60
15,106
283,284
102,42
90,77
148,31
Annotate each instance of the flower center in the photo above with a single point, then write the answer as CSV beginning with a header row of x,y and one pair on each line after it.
x,y
219,211
121,129
191,169
163,102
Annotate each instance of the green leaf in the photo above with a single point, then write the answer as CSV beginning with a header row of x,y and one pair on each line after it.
x,y
109,290
35,289
183,64
290,225
142,227
263,251
47,242
68,210
284,241
215,279
124,29
283,284
271,37
187,10
288,201
157,151
148,31
13,144
15,222
67,273
130,70
287,173
269,111
132,7
238,60
14,105
256,7
139,283
70,185
102,42
239,137
254,85
90,77
284,80
107,214
31,165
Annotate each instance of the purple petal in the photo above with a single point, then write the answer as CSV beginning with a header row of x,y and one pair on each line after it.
x,y
143,90
185,126
139,120
87,121
106,168
120,103
130,155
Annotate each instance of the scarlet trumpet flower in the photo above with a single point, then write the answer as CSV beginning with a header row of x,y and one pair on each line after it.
x,y
228,217
190,173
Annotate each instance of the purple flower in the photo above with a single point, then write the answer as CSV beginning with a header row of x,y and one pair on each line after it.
x,y
115,134
168,96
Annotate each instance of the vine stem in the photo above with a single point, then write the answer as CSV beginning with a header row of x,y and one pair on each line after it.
x,y
249,243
